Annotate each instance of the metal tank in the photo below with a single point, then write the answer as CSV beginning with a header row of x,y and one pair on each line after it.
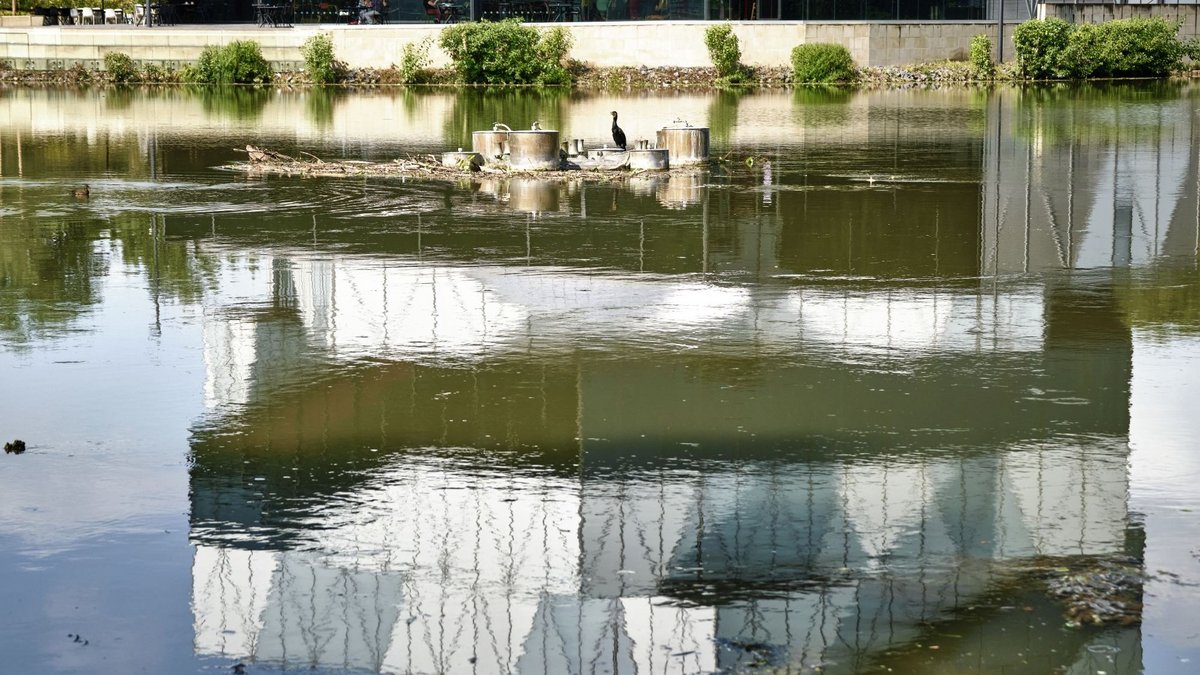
x,y
491,145
533,150
688,145
654,159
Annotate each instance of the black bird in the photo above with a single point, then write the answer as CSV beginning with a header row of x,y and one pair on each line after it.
x,y
16,447
618,135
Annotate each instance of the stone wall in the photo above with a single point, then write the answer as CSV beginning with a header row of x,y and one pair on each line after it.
x,y
649,43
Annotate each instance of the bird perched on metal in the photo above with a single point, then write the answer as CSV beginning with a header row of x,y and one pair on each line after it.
x,y
618,135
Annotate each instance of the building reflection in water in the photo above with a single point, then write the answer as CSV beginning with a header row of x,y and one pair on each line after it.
x,y
420,468
452,480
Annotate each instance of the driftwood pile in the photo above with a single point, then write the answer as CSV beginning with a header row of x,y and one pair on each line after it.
x,y
266,161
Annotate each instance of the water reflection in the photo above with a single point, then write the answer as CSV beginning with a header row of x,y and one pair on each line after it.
x,y
827,411
1077,186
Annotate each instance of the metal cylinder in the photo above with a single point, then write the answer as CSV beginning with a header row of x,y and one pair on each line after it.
x,y
687,144
533,150
489,144
656,159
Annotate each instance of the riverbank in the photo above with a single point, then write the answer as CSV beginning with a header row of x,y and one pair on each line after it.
x,y
585,78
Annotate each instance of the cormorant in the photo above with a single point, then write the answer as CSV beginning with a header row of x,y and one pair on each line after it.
x,y
618,135
81,191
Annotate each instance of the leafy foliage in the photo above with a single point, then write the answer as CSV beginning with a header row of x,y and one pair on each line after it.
x,y
120,67
981,57
1055,49
1191,48
414,62
1136,48
822,62
726,53
507,52
319,62
239,62
1041,46
154,74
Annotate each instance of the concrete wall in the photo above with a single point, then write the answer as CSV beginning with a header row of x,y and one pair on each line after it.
x,y
649,43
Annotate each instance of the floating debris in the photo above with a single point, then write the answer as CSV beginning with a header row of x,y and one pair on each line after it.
x,y
15,448
1098,592
265,161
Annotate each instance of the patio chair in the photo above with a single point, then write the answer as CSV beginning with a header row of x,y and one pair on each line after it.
x,y
86,15
139,15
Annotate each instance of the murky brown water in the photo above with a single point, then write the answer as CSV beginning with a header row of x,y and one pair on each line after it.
x,y
861,406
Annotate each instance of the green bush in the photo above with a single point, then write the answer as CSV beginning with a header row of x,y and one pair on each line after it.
x,y
120,67
726,53
319,62
822,62
507,52
1191,48
414,62
981,57
1041,46
1125,48
158,75
239,62
1137,48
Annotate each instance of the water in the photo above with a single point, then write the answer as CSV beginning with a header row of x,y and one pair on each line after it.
x,y
855,405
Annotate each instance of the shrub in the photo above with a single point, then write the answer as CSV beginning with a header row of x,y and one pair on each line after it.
x,y
120,67
981,57
157,74
822,62
239,62
414,62
1052,48
507,52
77,72
319,63
1137,48
1041,46
725,52
1191,49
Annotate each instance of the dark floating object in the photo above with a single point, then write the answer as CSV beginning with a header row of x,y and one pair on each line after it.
x,y
618,135
82,192
238,668
14,448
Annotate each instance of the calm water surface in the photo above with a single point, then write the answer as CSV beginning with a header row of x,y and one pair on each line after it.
x,y
860,405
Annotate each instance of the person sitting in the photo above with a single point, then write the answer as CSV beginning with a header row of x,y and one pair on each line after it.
x,y
367,12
